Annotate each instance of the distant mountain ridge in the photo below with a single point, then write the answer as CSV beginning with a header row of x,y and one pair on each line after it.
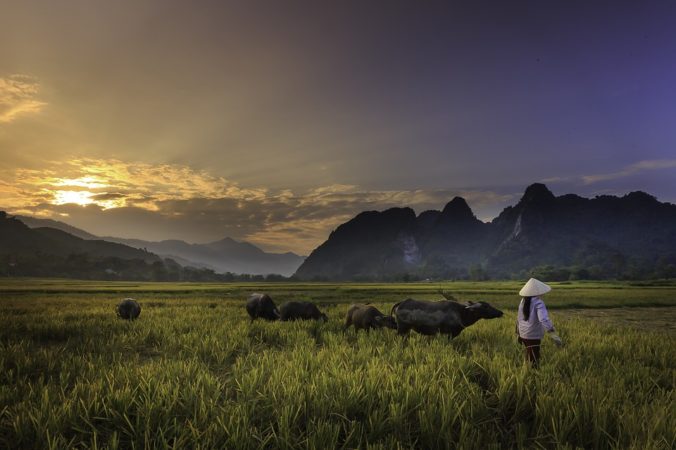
x,y
18,239
225,255
34,222
560,237
49,252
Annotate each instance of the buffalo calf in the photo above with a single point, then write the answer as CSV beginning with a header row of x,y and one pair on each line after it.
x,y
365,317
302,311
261,305
128,309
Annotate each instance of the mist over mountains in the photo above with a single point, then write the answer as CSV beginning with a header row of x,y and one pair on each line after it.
x,y
566,237
225,255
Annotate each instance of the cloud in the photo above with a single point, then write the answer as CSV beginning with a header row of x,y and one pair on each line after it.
x,y
108,196
140,200
632,169
115,184
18,95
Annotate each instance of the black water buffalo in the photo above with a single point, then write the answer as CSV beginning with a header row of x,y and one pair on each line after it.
x,y
261,305
128,309
365,317
301,310
446,317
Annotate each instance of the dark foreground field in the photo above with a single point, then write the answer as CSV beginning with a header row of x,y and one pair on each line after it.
x,y
193,372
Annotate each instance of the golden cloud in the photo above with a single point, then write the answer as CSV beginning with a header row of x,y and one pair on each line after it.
x,y
115,184
18,95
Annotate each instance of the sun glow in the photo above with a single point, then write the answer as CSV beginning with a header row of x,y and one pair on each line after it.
x,y
84,190
81,198
84,198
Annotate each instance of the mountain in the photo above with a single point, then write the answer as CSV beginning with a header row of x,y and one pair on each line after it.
x,y
627,232
368,245
558,237
34,222
226,255
18,239
45,251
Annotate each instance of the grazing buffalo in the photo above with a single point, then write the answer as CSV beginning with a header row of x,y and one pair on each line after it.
x,y
128,309
301,310
261,305
365,317
446,317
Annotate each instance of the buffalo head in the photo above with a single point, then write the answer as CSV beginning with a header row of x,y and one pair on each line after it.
x,y
386,322
484,310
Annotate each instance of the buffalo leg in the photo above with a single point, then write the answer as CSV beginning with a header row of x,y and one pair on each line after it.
x,y
403,330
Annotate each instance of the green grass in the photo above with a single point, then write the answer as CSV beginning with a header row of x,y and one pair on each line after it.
x,y
193,372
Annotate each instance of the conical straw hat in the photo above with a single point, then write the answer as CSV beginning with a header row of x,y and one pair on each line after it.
x,y
534,288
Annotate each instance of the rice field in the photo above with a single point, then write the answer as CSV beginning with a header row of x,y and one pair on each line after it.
x,y
193,372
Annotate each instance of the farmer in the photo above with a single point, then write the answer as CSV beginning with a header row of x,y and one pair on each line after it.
x,y
532,320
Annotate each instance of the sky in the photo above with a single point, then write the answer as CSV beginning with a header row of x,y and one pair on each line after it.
x,y
273,122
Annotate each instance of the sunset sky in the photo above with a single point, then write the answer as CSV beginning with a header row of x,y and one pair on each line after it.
x,y
275,121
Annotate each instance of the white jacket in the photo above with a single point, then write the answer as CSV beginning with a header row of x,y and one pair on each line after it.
x,y
538,321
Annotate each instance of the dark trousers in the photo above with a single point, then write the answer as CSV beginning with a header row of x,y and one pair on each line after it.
x,y
532,350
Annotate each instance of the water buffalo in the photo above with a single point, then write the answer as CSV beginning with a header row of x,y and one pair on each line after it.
x,y
128,309
446,317
365,317
261,305
301,310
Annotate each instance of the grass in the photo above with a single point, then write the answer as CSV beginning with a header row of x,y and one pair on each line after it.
x,y
193,372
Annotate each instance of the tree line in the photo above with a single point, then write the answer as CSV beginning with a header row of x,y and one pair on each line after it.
x,y
84,266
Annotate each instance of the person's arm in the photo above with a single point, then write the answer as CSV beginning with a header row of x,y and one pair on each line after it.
x,y
543,317
516,321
